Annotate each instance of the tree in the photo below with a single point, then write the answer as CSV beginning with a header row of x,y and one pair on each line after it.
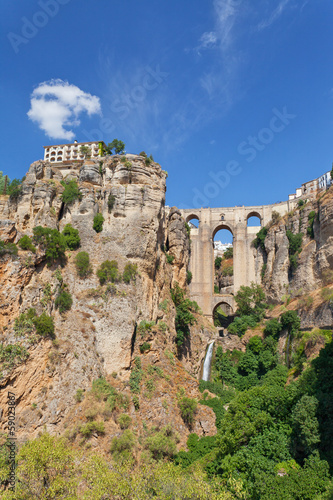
x,y
72,237
117,146
82,263
52,241
305,424
251,301
71,192
229,253
98,223
108,271
85,151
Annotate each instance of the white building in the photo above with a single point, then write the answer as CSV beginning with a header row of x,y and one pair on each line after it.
x,y
220,248
63,153
325,181
311,188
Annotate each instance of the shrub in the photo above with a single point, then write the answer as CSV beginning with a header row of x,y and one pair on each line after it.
x,y
24,323
64,301
275,216
87,429
26,244
111,202
295,247
169,258
144,347
136,376
52,242
130,272
188,408
102,390
98,223
300,203
184,316
251,301
188,277
108,271
259,241
216,289
44,325
124,421
241,324
117,146
227,271
311,219
121,447
79,395
229,253
145,326
9,248
327,295
71,192
82,264
162,444
273,328
14,189
218,262
71,236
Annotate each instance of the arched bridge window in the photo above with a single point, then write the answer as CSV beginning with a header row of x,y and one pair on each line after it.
x,y
193,220
254,219
223,260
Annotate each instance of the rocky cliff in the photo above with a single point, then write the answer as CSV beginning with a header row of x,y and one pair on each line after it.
x,y
100,335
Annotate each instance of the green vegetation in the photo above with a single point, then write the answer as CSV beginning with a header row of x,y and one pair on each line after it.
x,y
28,322
71,236
169,258
144,347
188,277
121,448
63,301
98,223
149,159
52,242
311,219
184,316
87,429
85,151
79,395
82,264
117,147
259,241
124,421
144,327
218,262
44,325
71,192
188,408
295,247
130,272
8,248
162,444
241,324
11,355
108,272
136,376
251,301
229,253
26,244
227,271
111,202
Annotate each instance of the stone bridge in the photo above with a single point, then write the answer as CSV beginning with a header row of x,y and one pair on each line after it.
x,y
235,219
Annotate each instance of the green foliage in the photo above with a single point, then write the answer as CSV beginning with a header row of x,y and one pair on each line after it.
x,y
71,236
102,390
259,241
136,376
53,243
216,289
162,444
85,151
300,203
164,305
295,247
121,447
263,271
14,189
124,421
98,223
227,271
24,324
79,395
188,277
184,316
144,327
8,248
169,258
305,426
251,301
311,219
229,253
144,347
188,408
44,325
108,272
26,244
241,324
116,146
111,202
149,159
11,355
71,192
273,328
91,427
82,264
63,301
290,321
188,230
198,448
130,272
218,262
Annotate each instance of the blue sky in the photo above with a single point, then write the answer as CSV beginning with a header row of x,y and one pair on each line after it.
x,y
233,98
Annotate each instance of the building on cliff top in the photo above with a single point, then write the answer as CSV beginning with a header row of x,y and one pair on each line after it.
x,y
311,188
62,153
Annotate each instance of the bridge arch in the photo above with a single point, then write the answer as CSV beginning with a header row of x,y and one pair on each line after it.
x,y
222,225
254,214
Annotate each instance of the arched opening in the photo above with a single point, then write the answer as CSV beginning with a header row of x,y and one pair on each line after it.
x,y
223,260
222,316
193,221
253,219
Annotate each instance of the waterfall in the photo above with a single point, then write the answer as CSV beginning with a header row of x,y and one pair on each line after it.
x,y
207,362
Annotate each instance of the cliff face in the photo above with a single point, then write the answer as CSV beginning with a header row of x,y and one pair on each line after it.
x,y
314,262
98,336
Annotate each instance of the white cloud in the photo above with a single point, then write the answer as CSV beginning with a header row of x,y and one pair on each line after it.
x,y
56,104
208,40
274,15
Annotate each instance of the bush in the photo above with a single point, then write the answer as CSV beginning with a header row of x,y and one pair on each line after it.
x,y
102,390
162,444
229,253
52,242
71,236
188,277
136,376
311,219
227,271
169,258
273,328
98,223
121,447
79,395
216,289
71,192
108,272
64,302
124,421
218,262
188,408
117,146
241,324
111,202
82,264
251,301
144,347
130,272
259,241
44,325
26,244
9,248
87,429
184,316
295,247
14,189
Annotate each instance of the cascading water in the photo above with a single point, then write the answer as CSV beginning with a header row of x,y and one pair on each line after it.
x,y
207,362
